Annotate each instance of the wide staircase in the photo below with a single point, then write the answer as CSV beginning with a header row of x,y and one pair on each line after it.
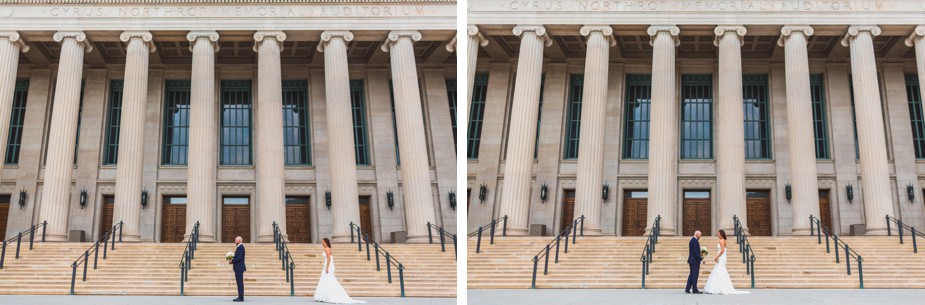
x,y
614,262
153,269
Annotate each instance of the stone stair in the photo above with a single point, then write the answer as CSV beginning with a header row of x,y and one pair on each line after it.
x,y
153,269
614,262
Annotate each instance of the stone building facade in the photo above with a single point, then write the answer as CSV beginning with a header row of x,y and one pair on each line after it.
x,y
696,111
233,114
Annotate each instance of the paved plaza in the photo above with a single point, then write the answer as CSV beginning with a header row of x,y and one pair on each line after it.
x,y
190,300
678,297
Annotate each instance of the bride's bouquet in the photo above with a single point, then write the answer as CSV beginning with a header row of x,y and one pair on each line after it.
x,y
703,252
229,255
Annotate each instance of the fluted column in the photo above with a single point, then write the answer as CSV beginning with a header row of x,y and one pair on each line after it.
x,y
475,41
730,129
917,40
663,133
875,171
344,205
803,178
409,119
59,165
131,133
11,44
590,175
203,147
518,168
271,201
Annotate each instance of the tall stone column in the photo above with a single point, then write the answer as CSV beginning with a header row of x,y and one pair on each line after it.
x,y
131,134
342,156
875,171
59,165
203,144
589,182
917,40
518,168
11,44
730,130
271,184
409,119
803,178
663,133
475,41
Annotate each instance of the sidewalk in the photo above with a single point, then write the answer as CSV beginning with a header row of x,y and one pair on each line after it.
x,y
190,300
678,297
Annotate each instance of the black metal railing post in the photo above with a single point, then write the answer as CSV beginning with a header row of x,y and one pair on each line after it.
x,y
899,226
351,232
546,266
401,278
915,246
2,253
478,242
836,248
536,261
582,225
860,271
430,235
504,226
491,241
442,240
96,255
73,276
377,257
86,257
888,231
18,242
388,265
31,237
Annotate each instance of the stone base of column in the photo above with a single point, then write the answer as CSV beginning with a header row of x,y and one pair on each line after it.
x,y
590,232
663,231
52,237
341,239
801,231
265,238
510,232
730,231
876,232
424,239
135,238
202,238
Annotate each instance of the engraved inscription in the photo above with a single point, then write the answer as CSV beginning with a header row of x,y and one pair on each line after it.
x,y
238,11
737,6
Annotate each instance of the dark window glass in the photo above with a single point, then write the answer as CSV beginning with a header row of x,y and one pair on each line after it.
x,y
756,113
476,114
296,132
820,126
236,122
114,121
539,116
697,116
175,149
573,117
637,109
915,114
17,116
358,105
451,99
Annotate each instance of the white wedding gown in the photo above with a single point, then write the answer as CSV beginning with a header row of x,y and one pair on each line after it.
x,y
329,289
719,281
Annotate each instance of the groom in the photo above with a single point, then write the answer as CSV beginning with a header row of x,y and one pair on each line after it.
x,y
693,260
239,267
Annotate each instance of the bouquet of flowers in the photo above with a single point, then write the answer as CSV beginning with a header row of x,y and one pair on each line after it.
x,y
703,252
229,255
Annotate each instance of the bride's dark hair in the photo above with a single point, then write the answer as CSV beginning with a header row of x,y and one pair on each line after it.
x,y
722,233
326,241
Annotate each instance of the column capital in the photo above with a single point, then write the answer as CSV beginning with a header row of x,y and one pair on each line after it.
x,y
918,33
605,30
855,30
474,31
194,36
721,30
15,38
395,35
278,36
81,38
538,29
672,30
326,37
790,29
145,37
451,46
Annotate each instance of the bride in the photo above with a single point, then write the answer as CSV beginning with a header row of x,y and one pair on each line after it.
x,y
719,281
329,290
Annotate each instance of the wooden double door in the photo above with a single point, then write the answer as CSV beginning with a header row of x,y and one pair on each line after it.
x,y
366,216
825,209
696,213
568,210
4,214
758,213
236,219
298,220
109,203
173,221
635,213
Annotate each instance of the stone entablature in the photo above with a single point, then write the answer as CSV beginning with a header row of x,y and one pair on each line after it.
x,y
821,12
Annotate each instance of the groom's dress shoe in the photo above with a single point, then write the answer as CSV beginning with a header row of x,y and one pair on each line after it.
x,y
698,292
687,291
237,300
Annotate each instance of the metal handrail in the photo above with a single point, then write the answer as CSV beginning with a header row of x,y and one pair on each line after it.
x,y
849,253
389,259
95,250
889,219
491,226
443,236
649,249
575,228
189,253
18,239
748,255
285,258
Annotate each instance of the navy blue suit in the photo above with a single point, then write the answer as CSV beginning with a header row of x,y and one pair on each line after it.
x,y
693,260
239,268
